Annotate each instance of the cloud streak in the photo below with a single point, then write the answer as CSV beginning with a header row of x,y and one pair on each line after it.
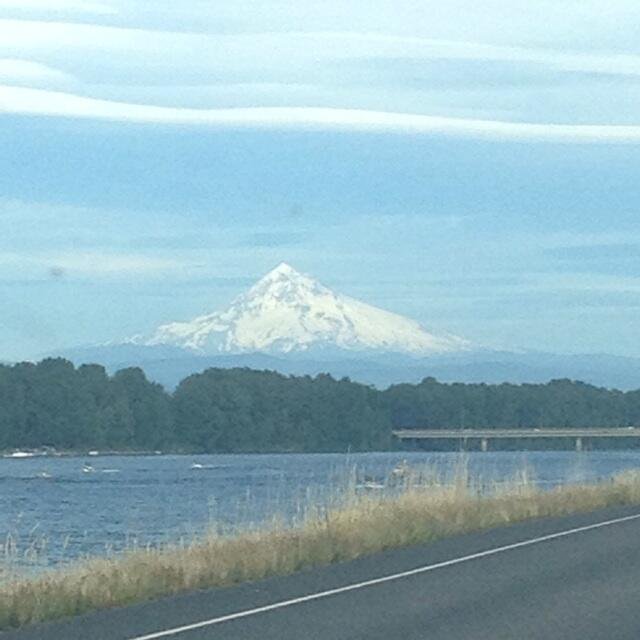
x,y
252,47
57,6
36,102
89,263
25,71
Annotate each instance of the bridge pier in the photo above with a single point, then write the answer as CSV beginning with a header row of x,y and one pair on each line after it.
x,y
484,444
578,444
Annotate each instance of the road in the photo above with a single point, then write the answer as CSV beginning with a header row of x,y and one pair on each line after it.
x,y
572,578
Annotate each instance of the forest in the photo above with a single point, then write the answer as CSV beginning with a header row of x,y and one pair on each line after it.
x,y
54,404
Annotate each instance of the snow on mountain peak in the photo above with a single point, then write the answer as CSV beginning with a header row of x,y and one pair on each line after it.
x,y
283,278
287,311
283,270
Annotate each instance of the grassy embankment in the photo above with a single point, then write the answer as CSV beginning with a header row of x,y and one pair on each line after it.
x,y
423,511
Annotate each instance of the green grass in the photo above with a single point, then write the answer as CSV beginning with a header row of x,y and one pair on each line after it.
x,y
421,511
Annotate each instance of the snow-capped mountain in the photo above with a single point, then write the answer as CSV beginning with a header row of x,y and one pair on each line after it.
x,y
290,323
287,312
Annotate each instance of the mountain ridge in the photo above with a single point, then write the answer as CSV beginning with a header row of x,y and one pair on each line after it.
x,y
170,366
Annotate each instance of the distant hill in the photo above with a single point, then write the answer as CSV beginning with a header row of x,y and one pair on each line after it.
x,y
169,366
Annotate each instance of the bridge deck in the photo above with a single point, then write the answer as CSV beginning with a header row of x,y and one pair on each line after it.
x,y
425,434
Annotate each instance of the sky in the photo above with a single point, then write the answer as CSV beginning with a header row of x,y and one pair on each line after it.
x,y
475,166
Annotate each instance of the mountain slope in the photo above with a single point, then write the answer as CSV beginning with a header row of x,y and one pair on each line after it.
x,y
287,312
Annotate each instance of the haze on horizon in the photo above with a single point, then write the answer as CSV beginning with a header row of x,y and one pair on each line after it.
x,y
473,169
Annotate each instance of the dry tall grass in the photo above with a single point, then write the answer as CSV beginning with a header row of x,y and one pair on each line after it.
x,y
361,525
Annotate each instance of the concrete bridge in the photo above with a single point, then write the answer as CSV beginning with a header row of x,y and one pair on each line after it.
x,y
484,435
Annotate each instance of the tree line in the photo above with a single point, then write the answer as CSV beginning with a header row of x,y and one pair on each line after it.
x,y
55,404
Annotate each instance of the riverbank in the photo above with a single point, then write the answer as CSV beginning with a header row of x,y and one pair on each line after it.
x,y
20,454
422,510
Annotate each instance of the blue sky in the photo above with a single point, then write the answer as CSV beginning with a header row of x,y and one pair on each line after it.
x,y
475,167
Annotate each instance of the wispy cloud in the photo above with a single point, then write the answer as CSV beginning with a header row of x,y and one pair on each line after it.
x,y
16,71
50,36
89,262
86,264
619,258
49,6
18,100
617,251
265,65
431,49
257,50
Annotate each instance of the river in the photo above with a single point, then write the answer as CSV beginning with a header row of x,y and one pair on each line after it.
x,y
54,510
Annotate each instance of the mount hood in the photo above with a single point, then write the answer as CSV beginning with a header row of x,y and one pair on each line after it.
x,y
288,312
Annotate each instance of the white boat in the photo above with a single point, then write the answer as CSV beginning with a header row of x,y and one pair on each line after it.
x,y
370,484
20,454
94,453
87,468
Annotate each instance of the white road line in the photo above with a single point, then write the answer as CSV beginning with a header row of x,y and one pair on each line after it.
x,y
369,583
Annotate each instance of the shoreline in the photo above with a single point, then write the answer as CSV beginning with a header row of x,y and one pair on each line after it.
x,y
31,454
359,526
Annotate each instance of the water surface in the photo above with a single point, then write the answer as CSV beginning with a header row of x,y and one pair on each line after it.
x,y
63,510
